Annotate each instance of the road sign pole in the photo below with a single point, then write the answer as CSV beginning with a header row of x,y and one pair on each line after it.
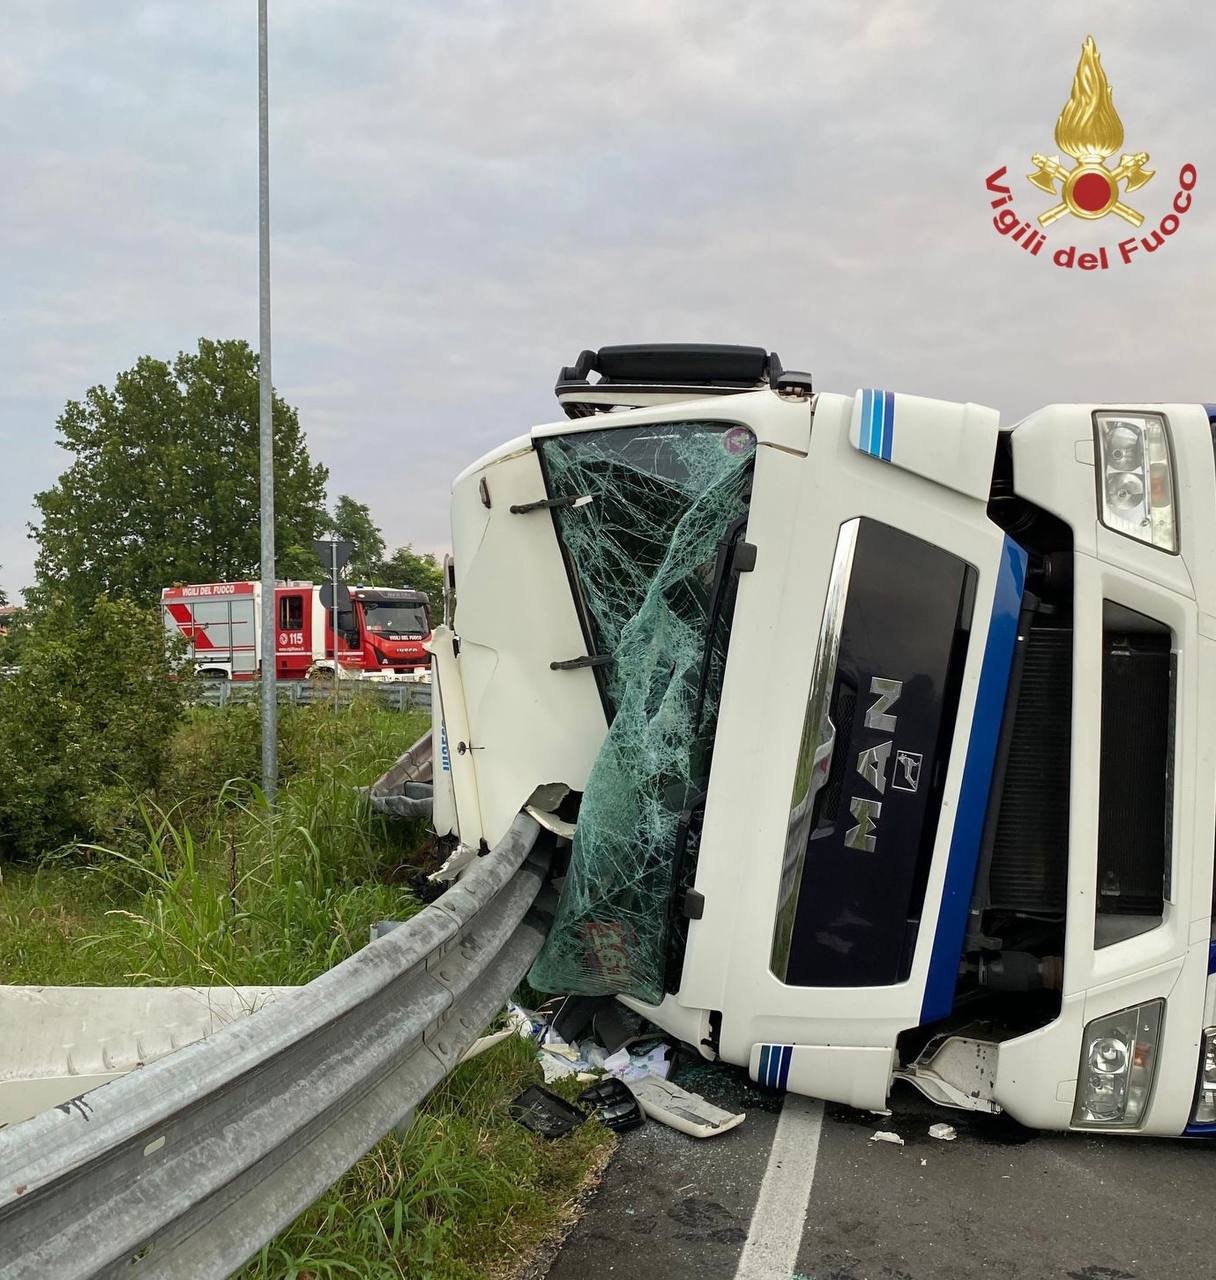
x,y
270,763
333,578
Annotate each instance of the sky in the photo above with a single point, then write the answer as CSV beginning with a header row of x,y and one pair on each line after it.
x,y
465,195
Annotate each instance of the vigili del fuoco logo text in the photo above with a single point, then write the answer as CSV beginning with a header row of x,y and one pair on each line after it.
x,y
1090,132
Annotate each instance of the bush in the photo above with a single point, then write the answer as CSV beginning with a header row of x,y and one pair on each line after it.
x,y
85,725
219,749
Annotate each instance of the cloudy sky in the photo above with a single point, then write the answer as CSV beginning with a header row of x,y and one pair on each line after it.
x,y
465,195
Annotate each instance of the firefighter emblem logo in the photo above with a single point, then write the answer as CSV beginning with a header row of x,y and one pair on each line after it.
x,y
1090,131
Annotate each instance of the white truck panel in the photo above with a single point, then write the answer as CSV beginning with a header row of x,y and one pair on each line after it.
x,y
529,725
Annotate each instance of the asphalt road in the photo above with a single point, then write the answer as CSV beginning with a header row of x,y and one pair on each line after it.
x,y
1000,1201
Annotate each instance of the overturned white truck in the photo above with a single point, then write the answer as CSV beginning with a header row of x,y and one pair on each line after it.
x,y
884,736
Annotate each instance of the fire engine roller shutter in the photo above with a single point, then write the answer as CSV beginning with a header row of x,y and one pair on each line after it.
x,y
907,620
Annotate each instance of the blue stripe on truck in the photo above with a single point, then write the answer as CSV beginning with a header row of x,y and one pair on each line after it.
x,y
972,808
877,429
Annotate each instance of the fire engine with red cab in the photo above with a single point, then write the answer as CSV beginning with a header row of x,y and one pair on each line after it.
x,y
382,634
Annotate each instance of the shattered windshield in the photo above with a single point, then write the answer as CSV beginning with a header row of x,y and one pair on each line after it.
x,y
649,557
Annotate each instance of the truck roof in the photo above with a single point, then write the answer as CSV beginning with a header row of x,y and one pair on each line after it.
x,y
387,595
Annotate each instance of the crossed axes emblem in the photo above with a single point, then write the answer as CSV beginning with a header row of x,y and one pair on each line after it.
x,y
1129,170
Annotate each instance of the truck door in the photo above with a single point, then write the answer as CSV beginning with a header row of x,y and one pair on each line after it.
x,y
293,647
858,722
348,650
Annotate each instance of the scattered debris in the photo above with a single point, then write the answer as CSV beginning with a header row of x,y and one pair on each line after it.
x,y
464,855
559,1059
522,1022
638,1063
571,1033
551,822
612,1104
616,1026
688,1112
885,1135
543,1111
943,1132
480,1045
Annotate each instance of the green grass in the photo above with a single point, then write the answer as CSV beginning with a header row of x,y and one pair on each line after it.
x,y
216,890
45,914
464,1194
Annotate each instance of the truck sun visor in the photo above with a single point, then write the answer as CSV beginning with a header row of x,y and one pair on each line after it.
x,y
646,555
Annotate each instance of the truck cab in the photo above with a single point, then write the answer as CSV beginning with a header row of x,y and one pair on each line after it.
x,y
885,730
388,628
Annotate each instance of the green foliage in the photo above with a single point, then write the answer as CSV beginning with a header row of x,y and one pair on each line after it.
x,y
352,521
164,483
464,1194
85,723
46,912
211,887
419,570
231,893
17,628
218,891
217,748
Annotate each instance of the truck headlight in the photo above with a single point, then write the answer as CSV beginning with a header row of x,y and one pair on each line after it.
x,y
1205,1094
1136,477
1118,1058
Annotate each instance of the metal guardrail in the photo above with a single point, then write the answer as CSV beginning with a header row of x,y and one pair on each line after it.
x,y
186,1167
394,695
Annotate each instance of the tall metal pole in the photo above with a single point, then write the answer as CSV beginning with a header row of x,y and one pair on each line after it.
x,y
333,579
270,706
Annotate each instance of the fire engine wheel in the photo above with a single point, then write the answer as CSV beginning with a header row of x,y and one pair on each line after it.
x,y
322,675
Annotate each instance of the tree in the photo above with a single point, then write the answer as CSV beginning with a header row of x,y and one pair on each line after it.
x,y
352,522
85,724
164,483
409,568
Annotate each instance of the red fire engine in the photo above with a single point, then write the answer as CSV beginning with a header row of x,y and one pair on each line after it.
x,y
381,635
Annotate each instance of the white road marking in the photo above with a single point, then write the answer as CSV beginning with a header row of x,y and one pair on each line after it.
x,y
779,1218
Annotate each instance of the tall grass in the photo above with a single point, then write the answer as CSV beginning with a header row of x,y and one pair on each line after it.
x,y
253,896
220,889
463,1194
216,889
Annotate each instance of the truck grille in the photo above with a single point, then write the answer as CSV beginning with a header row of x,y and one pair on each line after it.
x,y
1135,773
1029,871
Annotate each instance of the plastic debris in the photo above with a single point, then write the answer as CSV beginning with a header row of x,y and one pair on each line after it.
x,y
637,1064
612,1104
541,1111
885,1135
523,1022
615,1026
479,1046
462,856
943,1132
688,1112
559,1059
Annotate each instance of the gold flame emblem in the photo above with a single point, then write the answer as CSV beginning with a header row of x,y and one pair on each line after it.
x,y
1089,130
